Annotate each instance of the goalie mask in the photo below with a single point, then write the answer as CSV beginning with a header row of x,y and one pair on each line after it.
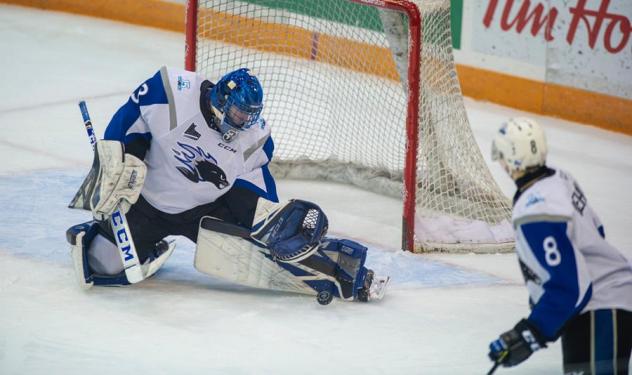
x,y
237,101
519,145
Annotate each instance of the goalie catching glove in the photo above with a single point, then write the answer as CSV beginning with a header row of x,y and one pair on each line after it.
x,y
292,231
115,179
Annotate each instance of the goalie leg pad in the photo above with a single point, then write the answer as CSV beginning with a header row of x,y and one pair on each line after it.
x,y
350,257
343,260
224,253
96,260
103,256
158,257
227,251
80,237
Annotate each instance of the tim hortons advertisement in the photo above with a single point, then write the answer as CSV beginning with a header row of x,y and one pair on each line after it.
x,y
585,44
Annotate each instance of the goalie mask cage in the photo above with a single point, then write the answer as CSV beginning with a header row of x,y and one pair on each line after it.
x,y
363,92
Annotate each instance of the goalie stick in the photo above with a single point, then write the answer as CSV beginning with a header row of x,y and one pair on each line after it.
x,y
120,228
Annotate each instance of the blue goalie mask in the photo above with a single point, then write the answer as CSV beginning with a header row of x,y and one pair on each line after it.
x,y
238,97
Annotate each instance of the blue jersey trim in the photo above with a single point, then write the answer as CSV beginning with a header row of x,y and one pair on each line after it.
x,y
270,193
155,93
122,120
562,291
150,92
268,148
270,184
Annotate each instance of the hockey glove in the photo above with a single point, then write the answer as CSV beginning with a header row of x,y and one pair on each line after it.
x,y
119,180
515,346
292,231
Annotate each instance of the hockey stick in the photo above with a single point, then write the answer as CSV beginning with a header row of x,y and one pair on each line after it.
x,y
493,369
122,234
497,363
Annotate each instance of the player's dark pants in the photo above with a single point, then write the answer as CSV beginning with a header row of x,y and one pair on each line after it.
x,y
150,225
598,342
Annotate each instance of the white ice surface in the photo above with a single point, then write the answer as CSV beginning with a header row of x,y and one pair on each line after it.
x,y
437,318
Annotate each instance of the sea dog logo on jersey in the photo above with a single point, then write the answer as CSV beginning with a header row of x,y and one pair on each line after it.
x,y
199,166
534,199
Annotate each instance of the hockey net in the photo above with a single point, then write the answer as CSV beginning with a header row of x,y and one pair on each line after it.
x,y
363,92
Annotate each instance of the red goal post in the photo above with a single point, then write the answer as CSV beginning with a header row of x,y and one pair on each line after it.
x,y
325,33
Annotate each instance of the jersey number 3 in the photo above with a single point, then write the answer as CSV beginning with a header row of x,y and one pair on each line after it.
x,y
142,90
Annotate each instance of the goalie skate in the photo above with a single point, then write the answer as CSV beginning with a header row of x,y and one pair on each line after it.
x,y
374,287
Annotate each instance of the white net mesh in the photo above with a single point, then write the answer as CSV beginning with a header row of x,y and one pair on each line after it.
x,y
338,108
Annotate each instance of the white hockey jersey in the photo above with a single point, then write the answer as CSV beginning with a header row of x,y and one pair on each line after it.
x,y
188,162
567,264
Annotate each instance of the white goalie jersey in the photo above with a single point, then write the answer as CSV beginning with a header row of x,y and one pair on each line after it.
x,y
567,264
167,123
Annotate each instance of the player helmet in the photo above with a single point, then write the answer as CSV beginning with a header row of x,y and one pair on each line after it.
x,y
238,100
519,145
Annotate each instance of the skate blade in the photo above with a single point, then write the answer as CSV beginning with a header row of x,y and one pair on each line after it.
x,y
378,287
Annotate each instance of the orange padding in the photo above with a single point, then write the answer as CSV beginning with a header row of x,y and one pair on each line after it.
x,y
604,111
154,13
300,43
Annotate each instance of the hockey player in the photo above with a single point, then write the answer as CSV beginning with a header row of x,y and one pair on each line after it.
x,y
188,157
580,286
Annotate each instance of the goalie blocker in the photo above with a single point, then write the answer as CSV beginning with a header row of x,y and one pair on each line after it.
x,y
287,251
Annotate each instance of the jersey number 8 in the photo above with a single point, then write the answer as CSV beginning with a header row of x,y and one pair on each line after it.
x,y
551,252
